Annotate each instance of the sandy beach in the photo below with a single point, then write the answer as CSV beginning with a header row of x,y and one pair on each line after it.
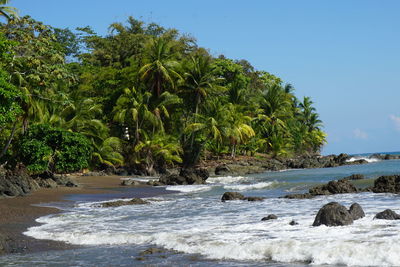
x,y
19,213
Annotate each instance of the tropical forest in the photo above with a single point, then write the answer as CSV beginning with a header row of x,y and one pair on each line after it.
x,y
143,97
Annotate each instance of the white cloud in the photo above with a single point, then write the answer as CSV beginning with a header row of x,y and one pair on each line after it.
x,y
359,134
396,121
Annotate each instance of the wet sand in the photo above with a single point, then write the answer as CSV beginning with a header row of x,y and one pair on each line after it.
x,y
19,213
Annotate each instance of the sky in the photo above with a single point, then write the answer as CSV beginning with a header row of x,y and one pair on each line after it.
x,y
344,54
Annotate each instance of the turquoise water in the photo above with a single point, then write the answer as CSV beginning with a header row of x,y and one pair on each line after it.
x,y
208,232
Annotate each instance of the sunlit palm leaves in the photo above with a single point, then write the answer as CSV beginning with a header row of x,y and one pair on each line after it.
x,y
7,11
160,70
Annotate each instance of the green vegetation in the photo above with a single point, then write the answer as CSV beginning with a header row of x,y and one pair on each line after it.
x,y
44,148
143,97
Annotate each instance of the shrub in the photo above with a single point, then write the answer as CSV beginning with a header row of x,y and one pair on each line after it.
x,y
46,148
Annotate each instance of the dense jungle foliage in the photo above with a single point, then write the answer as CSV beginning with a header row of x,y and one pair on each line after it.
x,y
143,97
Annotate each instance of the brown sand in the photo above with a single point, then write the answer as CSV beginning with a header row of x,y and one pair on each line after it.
x,y
17,214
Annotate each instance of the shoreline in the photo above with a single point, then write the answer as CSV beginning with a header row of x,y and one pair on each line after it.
x,y
20,213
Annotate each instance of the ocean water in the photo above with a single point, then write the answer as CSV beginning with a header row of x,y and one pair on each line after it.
x,y
200,230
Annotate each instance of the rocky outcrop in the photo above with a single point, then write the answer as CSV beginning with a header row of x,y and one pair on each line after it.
x,y
387,215
186,177
222,169
356,211
385,156
387,184
270,217
334,187
132,182
293,222
333,214
254,198
306,162
341,186
237,196
232,196
247,165
134,201
18,182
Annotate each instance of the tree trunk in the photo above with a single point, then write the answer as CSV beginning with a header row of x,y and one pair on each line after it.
x,y
233,152
9,140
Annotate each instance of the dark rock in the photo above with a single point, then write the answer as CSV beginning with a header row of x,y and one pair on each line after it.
x,y
333,214
387,184
270,217
237,196
385,156
134,201
46,183
195,176
334,187
293,222
121,172
356,211
64,181
186,176
232,196
222,169
354,177
151,251
299,196
132,182
15,182
356,162
387,215
172,179
342,158
254,198
274,165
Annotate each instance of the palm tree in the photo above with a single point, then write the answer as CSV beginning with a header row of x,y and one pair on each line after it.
x,y
308,114
140,115
83,116
7,11
160,70
157,151
239,131
109,152
199,81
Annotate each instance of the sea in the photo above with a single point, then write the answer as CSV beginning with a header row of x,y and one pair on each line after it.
x,y
193,227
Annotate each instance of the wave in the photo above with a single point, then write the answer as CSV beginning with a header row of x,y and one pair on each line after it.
x,y
189,188
368,159
227,179
224,231
244,187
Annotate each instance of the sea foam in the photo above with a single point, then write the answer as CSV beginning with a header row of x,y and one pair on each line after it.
x,y
234,230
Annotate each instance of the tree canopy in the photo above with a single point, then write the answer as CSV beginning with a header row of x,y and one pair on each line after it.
x,y
143,96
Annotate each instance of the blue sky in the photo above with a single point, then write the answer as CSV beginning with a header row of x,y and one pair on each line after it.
x,y
343,53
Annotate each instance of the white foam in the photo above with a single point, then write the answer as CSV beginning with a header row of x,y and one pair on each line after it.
x,y
227,179
243,187
352,159
189,188
234,230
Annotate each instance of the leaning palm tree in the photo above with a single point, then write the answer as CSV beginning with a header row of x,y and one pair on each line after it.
x,y
7,11
159,72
